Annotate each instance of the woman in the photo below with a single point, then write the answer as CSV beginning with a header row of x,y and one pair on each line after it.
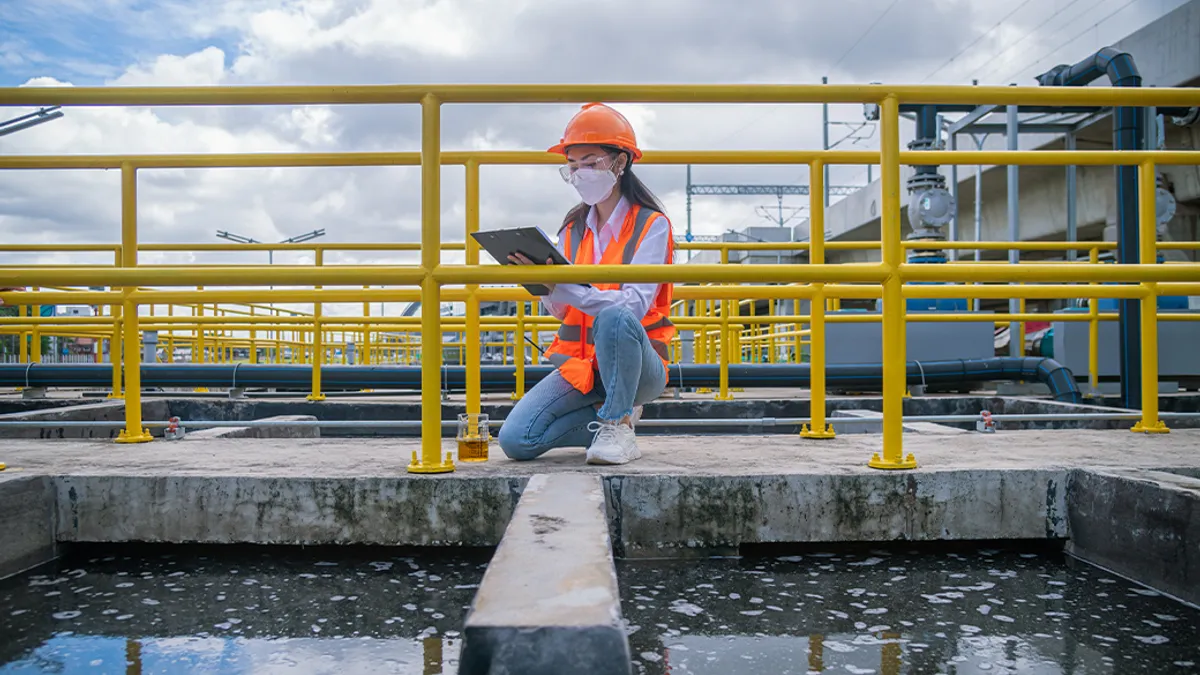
x,y
611,350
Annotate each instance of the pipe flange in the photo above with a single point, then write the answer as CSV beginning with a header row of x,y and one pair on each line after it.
x,y
932,207
925,181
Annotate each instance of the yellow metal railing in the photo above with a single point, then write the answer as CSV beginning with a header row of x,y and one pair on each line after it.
x,y
815,281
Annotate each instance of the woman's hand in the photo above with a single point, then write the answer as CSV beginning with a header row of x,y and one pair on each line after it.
x,y
522,259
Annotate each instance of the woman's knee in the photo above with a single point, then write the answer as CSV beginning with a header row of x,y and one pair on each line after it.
x,y
615,318
515,444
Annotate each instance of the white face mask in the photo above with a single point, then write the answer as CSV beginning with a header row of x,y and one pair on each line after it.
x,y
593,185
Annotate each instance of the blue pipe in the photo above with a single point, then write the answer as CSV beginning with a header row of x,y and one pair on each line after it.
x,y
1128,134
868,376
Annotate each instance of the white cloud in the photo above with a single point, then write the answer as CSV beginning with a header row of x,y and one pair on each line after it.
x,y
259,42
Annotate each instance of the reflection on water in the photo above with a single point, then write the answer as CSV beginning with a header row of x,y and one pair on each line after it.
x,y
881,612
238,610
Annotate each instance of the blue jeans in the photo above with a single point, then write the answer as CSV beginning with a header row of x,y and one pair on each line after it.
x,y
555,415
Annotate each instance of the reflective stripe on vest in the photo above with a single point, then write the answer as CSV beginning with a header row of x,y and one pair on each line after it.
x,y
578,228
569,333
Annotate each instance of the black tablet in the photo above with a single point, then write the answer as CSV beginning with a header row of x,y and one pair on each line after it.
x,y
528,241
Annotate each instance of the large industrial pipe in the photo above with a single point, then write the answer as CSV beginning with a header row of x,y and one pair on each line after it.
x,y
1128,134
502,378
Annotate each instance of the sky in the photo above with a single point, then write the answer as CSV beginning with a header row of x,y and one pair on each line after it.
x,y
247,42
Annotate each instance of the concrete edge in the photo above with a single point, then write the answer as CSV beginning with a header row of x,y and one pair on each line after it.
x,y
28,517
655,515
549,601
261,432
300,510
1140,524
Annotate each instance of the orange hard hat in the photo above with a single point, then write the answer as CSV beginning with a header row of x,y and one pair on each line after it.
x,y
598,124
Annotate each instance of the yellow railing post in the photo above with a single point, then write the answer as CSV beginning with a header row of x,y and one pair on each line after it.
x,y
253,340
816,256
133,431
23,348
1094,333
364,355
430,459
35,341
519,352
725,339
895,366
114,342
474,357
318,357
1147,220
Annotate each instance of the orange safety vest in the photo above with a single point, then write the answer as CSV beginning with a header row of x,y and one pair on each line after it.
x,y
574,348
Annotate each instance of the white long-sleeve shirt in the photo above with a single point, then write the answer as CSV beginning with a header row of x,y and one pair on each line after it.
x,y
637,298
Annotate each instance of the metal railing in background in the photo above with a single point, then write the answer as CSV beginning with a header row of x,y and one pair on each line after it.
x,y
815,281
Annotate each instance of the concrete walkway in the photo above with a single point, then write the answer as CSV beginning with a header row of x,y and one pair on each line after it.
x,y
677,455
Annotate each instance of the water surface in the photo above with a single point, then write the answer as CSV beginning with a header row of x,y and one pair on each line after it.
x,y
240,610
976,611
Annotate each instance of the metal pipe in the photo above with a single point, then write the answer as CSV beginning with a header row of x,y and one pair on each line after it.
x,y
766,422
825,146
953,146
1072,225
1128,134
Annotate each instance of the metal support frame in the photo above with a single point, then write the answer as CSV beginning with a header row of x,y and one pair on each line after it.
x,y
891,278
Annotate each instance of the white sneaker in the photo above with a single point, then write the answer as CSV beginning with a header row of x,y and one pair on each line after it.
x,y
636,416
613,444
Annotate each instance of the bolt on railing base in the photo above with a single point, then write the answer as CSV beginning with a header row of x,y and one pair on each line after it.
x,y
120,397
878,462
416,466
1159,427
806,432
125,437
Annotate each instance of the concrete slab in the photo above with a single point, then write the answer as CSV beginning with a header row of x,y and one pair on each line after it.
x,y
1144,525
109,411
261,432
683,455
27,522
549,601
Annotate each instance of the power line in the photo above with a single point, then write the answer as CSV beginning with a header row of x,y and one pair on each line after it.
x,y
1029,33
977,40
776,109
864,35
1068,42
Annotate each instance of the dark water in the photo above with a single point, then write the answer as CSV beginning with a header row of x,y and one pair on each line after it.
x,y
978,611
240,610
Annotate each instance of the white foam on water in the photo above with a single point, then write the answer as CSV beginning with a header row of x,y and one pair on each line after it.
x,y
70,614
1151,639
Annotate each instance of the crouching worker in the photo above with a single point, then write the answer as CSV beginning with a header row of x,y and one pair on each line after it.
x,y
611,350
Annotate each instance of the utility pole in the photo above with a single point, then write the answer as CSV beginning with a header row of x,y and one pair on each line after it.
x,y
298,239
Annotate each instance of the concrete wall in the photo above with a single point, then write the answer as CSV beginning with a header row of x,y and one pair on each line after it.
x,y
109,411
1144,525
653,515
285,510
27,521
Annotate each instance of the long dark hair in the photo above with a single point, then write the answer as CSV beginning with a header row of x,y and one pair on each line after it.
x,y
632,188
